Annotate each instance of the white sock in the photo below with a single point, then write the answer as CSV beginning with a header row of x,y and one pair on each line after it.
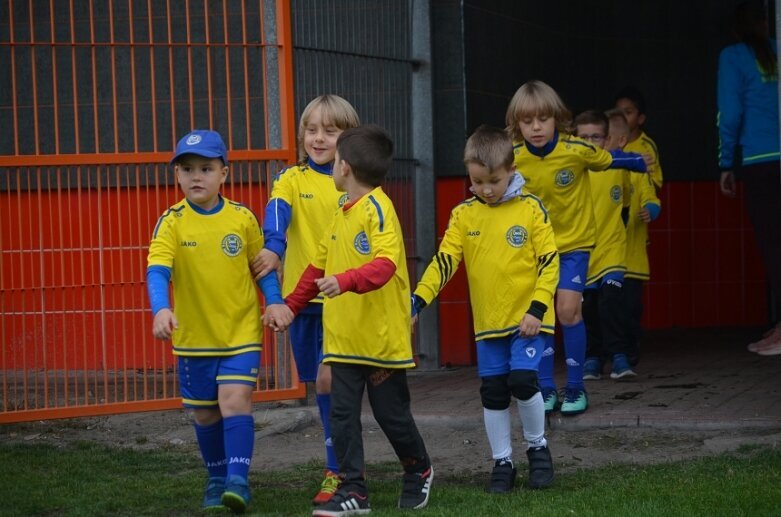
x,y
498,427
532,412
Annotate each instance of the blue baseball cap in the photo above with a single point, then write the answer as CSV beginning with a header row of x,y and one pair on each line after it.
x,y
203,142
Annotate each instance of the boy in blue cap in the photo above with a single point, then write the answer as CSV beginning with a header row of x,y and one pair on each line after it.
x,y
204,244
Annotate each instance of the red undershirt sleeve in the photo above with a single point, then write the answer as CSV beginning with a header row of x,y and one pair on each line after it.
x,y
305,290
368,277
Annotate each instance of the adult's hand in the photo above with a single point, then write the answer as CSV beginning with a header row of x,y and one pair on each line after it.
x,y
727,183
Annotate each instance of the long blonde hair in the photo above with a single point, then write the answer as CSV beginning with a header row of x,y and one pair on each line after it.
x,y
536,98
335,110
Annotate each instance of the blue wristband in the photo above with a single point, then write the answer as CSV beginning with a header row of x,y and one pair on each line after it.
x,y
269,284
653,210
157,279
624,160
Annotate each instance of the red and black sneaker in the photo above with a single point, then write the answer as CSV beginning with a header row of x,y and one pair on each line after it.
x,y
417,488
344,503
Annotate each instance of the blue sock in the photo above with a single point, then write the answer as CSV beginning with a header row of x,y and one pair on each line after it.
x,y
239,440
324,404
545,373
575,351
210,440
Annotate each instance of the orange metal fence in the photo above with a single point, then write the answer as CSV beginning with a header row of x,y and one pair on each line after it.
x,y
89,122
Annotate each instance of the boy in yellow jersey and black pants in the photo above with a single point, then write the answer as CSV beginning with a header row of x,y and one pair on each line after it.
x,y
505,238
631,101
204,245
604,310
303,201
361,269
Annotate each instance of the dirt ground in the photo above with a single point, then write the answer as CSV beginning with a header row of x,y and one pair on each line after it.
x,y
289,434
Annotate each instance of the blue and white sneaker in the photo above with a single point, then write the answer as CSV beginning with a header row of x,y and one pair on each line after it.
x,y
622,370
575,401
592,369
212,498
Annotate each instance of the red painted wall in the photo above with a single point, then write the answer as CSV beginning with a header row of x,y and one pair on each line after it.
x,y
73,272
705,266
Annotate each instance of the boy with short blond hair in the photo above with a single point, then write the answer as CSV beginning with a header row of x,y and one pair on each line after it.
x,y
504,236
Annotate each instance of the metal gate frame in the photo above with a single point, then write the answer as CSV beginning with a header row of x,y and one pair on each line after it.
x,y
74,226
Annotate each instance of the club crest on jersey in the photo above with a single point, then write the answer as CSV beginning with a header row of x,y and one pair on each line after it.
x,y
193,139
231,245
516,236
615,193
531,352
343,199
565,177
361,243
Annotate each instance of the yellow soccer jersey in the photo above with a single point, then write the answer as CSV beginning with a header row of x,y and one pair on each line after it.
x,y
644,145
313,199
215,298
610,194
560,180
372,328
642,193
510,256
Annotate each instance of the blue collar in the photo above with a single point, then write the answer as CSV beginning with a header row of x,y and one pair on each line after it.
x,y
545,150
327,169
217,207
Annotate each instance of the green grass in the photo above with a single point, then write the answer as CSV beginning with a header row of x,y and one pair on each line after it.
x,y
90,480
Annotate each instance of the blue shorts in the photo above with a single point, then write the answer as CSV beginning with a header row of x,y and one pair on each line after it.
x,y
306,341
200,376
573,270
498,356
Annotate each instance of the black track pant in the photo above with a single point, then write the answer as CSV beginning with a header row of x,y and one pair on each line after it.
x,y
390,401
605,315
633,300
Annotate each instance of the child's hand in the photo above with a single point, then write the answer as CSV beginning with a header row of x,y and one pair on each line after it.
x,y
649,160
329,286
645,215
264,262
530,326
278,316
164,324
